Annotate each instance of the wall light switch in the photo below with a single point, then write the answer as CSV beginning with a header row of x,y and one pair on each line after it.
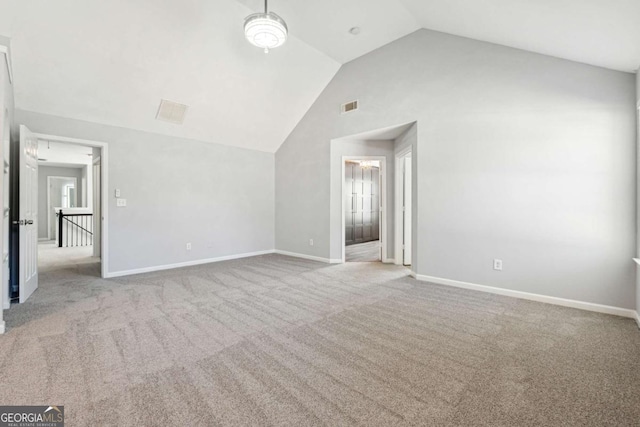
x,y
117,192
121,203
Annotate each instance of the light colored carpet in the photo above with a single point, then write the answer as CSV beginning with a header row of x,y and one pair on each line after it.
x,y
363,252
274,340
51,257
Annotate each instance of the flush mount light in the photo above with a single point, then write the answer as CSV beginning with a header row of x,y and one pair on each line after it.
x,y
265,30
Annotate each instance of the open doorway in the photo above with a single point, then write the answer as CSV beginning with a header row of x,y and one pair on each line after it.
x,y
65,206
368,150
362,193
61,193
364,219
58,209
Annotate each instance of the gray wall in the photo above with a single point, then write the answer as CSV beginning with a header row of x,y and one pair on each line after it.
x,y
521,156
43,173
218,198
342,148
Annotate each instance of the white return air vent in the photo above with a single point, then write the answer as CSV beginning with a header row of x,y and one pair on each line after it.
x,y
172,112
349,107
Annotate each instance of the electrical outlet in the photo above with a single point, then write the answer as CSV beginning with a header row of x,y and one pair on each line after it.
x,y
188,246
117,192
310,242
121,203
497,264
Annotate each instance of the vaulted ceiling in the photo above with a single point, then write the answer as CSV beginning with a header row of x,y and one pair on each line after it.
x,y
112,61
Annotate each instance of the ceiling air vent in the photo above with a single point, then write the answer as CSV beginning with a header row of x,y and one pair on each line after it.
x,y
171,112
349,107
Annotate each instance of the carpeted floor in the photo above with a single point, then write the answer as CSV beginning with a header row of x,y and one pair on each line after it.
x,y
363,252
51,257
274,340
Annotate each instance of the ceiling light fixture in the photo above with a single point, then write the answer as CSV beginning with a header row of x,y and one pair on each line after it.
x,y
265,30
368,164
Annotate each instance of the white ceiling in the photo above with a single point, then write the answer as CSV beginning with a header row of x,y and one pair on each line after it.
x,y
325,24
112,61
60,154
385,134
605,33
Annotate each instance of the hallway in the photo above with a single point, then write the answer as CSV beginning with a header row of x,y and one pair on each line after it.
x,y
53,258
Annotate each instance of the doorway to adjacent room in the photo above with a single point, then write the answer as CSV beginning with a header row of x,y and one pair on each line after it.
x,y
363,196
57,217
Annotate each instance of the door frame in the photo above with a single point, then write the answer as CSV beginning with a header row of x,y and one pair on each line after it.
x,y
383,202
399,185
49,199
96,199
104,182
5,233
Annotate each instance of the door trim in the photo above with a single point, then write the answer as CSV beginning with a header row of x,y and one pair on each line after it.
x,y
399,183
104,181
383,203
6,52
5,196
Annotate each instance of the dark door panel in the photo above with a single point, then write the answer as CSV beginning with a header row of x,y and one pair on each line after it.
x,y
362,203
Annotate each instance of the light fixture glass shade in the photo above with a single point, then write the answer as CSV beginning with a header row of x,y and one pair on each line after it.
x,y
368,164
265,30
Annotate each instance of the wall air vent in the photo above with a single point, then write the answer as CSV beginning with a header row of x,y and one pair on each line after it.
x,y
171,112
349,107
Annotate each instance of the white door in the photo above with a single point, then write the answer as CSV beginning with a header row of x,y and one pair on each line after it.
x,y
406,240
28,220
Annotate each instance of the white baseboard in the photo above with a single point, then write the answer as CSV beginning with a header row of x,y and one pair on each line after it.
x,y
185,264
309,257
599,308
638,317
2,330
